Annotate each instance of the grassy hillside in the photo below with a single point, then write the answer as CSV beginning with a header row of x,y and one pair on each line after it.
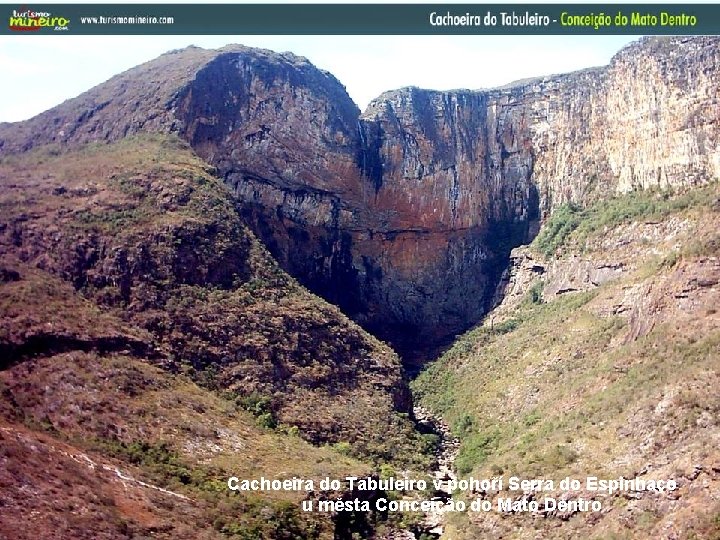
x,y
148,335
600,373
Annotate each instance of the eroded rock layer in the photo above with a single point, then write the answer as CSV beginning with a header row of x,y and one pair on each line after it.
x,y
405,215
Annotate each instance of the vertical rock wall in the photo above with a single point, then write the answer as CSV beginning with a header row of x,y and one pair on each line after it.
x,y
405,215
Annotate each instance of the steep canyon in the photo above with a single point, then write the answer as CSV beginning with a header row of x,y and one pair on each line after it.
x,y
405,215
156,233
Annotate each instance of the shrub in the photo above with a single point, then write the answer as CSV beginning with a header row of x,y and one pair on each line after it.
x,y
475,450
561,224
387,471
464,425
261,407
342,447
534,295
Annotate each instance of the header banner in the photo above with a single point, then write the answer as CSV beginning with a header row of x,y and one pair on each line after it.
x,y
359,19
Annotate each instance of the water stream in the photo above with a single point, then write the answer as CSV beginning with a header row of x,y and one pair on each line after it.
x,y
433,523
447,451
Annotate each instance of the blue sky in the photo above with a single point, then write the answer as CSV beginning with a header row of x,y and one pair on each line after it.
x,y
47,70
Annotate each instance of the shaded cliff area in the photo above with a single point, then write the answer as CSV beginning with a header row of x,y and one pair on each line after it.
x,y
404,216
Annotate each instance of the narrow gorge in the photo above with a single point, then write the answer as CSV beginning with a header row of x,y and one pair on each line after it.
x,y
404,216
164,235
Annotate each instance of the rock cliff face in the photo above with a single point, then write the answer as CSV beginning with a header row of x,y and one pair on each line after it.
x,y
405,215
651,118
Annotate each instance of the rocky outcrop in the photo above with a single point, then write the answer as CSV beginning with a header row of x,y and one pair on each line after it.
x,y
649,119
405,216
522,273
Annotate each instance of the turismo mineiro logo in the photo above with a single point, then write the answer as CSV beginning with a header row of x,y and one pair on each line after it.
x,y
28,20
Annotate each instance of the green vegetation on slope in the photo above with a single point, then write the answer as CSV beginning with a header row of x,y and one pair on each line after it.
x,y
144,326
571,220
143,230
468,385
164,430
606,382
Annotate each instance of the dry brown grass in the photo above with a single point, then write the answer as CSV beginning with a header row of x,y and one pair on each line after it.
x,y
140,317
619,380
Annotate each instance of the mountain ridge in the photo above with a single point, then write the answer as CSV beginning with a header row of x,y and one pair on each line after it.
x,y
339,196
404,215
150,229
